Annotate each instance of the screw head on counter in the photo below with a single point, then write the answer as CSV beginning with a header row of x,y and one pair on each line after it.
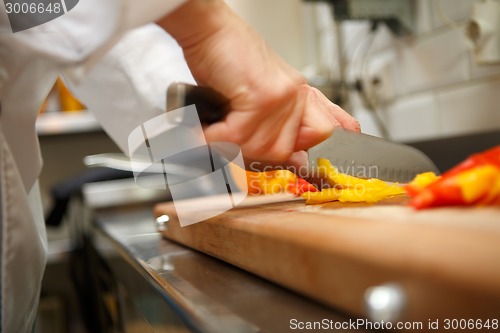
x,y
385,302
162,222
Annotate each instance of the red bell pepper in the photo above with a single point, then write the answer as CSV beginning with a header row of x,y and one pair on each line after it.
x,y
277,181
475,181
302,186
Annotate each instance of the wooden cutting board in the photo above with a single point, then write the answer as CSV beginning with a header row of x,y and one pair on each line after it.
x,y
447,261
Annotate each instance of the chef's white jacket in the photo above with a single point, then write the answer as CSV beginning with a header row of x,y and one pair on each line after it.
x,y
120,73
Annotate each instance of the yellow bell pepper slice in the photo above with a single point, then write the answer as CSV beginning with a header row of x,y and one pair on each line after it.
x,y
346,188
474,183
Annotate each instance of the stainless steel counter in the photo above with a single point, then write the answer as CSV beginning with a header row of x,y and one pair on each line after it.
x,y
176,289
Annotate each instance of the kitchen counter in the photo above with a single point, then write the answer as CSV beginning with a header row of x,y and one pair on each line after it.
x,y
428,265
174,288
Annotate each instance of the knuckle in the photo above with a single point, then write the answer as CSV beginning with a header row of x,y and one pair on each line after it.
x,y
269,152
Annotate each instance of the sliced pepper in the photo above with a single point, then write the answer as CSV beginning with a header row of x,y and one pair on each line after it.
x,y
335,178
346,188
326,195
277,181
476,181
420,182
301,186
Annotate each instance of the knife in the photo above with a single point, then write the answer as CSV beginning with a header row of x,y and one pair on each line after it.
x,y
350,152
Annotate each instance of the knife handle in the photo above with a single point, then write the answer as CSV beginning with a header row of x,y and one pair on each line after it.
x,y
210,105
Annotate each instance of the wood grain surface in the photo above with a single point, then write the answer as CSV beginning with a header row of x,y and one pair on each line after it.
x,y
446,260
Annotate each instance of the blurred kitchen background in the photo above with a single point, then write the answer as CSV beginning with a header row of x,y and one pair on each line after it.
x,y
423,82
425,72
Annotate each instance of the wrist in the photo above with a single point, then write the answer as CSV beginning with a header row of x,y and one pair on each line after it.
x,y
195,21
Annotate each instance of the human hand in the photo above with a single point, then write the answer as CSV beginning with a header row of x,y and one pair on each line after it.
x,y
274,115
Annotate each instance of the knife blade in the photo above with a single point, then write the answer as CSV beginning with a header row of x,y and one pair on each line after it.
x,y
352,153
367,156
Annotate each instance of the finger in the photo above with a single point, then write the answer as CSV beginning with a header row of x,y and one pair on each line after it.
x,y
265,140
342,117
217,132
318,119
297,163
308,137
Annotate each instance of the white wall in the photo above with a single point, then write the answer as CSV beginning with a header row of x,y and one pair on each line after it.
x,y
280,22
436,89
430,84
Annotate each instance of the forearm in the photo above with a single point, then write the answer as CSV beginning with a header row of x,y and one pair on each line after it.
x,y
274,114
127,86
225,53
196,20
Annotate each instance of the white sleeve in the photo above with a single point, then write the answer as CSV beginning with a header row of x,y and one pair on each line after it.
x,y
128,85
119,72
89,29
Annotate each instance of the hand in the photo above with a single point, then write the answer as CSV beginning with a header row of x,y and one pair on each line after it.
x,y
274,115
